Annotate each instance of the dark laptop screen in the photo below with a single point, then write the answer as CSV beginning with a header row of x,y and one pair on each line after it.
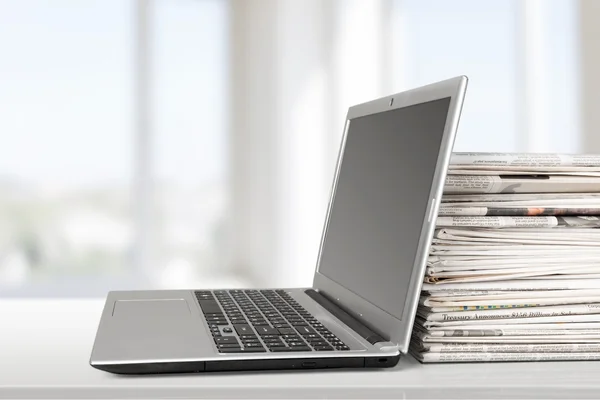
x,y
380,202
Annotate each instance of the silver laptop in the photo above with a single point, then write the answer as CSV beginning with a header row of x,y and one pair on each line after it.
x,y
360,309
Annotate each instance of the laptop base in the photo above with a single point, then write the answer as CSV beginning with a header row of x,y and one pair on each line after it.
x,y
250,365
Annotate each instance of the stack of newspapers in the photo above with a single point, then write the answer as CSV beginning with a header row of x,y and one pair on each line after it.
x,y
513,272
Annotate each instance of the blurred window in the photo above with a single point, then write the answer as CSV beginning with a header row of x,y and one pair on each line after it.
x,y
69,145
115,168
521,58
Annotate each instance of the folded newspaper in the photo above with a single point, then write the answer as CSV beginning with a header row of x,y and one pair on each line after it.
x,y
513,272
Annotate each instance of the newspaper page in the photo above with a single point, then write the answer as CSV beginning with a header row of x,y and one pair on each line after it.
x,y
461,276
515,211
508,266
567,276
447,293
556,201
520,184
543,161
464,170
472,260
500,277
452,242
502,294
501,328
501,314
430,357
507,197
509,332
520,236
518,273
516,221
506,303
505,322
476,276
483,247
454,272
541,284
513,339
493,252
506,348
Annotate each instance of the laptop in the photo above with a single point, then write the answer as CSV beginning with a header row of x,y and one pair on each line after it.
x,y
360,309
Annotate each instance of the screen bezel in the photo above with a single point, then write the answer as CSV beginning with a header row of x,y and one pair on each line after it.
x,y
393,329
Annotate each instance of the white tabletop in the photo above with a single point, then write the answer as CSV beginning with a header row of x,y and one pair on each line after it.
x,y
45,347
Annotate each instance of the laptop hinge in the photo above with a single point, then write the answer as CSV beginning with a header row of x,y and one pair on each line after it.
x,y
367,333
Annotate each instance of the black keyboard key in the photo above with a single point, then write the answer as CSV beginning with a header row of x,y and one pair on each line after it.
x,y
217,314
286,331
253,345
323,348
249,336
215,319
226,339
279,349
299,323
342,347
296,344
243,329
228,345
244,350
227,330
254,350
284,349
271,339
266,330
275,344
209,306
292,336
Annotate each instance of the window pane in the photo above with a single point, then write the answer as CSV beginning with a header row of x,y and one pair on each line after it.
x,y
477,39
190,74
521,58
65,147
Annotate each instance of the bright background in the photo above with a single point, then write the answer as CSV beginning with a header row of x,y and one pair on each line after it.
x,y
191,143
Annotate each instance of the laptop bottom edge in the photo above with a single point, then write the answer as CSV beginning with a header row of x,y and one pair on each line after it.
x,y
249,365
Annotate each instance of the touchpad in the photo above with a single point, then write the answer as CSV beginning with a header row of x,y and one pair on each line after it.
x,y
159,308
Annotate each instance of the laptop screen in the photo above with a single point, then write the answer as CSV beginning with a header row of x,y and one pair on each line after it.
x,y
381,198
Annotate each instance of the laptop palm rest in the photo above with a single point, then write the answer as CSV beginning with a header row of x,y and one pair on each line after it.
x,y
158,309
154,329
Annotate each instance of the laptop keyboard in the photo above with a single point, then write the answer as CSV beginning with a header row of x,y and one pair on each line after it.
x,y
260,321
